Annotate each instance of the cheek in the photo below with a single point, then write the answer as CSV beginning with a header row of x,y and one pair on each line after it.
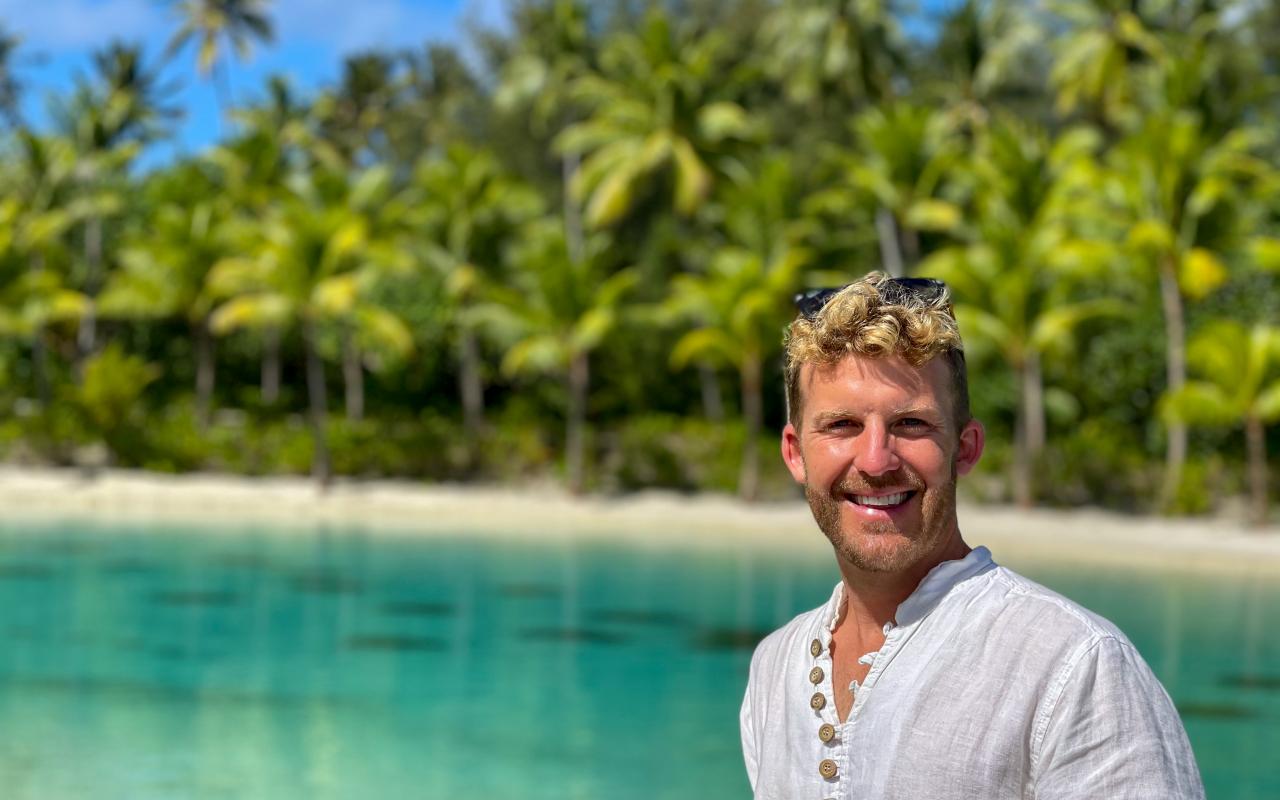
x,y
930,461
828,459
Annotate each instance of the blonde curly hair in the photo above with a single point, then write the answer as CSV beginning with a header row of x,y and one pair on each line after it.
x,y
878,317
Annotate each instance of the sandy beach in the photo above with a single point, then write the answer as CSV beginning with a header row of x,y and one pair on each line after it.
x,y
649,519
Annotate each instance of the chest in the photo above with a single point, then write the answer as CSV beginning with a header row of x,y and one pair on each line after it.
x,y
851,658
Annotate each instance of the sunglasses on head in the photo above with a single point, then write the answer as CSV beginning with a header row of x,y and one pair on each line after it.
x,y
894,291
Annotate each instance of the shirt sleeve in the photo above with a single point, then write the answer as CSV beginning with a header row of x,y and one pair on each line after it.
x,y
746,723
1108,729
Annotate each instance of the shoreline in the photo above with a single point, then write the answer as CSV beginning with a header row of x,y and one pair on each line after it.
x,y
647,519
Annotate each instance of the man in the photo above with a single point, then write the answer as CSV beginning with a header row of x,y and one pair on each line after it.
x,y
931,673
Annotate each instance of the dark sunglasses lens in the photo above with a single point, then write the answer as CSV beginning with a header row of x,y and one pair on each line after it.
x,y
811,302
927,289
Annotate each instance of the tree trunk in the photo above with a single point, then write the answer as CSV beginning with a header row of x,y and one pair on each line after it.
x,y
752,418
1028,440
88,335
40,367
1256,440
270,366
712,402
39,353
575,435
1176,376
1023,493
890,247
205,372
320,466
1033,396
352,376
469,383
572,215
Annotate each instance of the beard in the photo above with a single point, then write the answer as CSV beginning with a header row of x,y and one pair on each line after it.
x,y
885,546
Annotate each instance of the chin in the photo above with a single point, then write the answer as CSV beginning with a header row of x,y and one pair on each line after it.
x,y
881,551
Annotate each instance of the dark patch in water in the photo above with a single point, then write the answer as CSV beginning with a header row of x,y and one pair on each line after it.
x,y
629,616
418,608
326,583
529,590
243,561
396,643
24,633
68,547
142,691
25,572
195,598
729,638
129,566
575,635
1270,683
1215,711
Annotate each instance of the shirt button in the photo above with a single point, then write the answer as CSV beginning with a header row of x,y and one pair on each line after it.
x,y
818,701
815,648
815,675
828,769
827,732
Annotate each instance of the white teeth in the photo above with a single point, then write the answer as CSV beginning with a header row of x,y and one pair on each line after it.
x,y
883,501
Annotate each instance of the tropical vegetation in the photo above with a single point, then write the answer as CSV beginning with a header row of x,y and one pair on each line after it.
x,y
565,249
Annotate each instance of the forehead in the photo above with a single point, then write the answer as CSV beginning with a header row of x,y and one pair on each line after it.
x,y
862,384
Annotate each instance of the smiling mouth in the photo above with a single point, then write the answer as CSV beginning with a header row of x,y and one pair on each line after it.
x,y
881,501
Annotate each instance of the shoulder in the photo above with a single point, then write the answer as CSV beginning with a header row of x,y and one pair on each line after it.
x,y
1020,599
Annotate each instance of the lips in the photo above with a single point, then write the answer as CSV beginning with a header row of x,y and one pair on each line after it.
x,y
881,499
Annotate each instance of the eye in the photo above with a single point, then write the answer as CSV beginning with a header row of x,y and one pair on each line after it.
x,y
913,424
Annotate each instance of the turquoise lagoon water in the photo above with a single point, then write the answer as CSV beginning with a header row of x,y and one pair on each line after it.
x,y
180,664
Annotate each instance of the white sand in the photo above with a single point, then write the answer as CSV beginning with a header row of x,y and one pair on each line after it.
x,y
657,519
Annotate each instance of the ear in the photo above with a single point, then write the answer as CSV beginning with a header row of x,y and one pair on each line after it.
x,y
791,455
973,437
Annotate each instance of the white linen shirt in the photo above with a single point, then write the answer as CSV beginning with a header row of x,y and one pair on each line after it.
x,y
988,686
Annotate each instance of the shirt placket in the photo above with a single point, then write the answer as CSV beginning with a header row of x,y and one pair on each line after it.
x,y
835,768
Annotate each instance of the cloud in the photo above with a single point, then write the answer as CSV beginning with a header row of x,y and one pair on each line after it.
x,y
64,25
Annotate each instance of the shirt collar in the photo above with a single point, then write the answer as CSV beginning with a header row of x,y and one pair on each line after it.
x,y
932,589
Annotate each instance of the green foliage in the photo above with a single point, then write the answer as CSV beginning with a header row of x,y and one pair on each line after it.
x,y
601,221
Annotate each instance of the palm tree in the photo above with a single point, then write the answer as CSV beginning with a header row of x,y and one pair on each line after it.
x,y
217,24
40,177
466,206
557,311
1239,387
1179,188
830,55
738,305
352,118
274,137
110,117
661,107
555,52
164,265
985,55
1099,61
314,265
34,290
10,87
905,153
1017,271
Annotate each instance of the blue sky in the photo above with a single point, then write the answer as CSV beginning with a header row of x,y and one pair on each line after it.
x,y
312,36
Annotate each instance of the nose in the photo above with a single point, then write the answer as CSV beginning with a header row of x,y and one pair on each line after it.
x,y
874,454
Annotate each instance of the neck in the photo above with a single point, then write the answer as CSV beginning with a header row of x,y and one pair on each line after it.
x,y
872,598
